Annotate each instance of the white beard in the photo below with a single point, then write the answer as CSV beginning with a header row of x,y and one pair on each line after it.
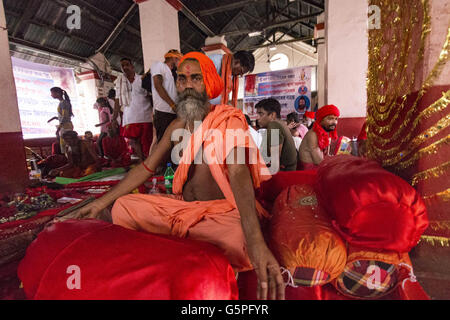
x,y
192,107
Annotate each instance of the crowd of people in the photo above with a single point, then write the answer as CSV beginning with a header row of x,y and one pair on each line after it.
x,y
140,109
214,199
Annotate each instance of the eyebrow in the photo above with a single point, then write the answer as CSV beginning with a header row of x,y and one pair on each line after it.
x,y
192,74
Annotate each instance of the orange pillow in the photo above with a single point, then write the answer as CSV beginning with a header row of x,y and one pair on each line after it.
x,y
303,239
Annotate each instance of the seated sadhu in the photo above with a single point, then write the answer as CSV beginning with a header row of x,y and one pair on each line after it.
x,y
316,143
82,158
213,197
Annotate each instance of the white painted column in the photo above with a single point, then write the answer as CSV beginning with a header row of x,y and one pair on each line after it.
x,y
347,56
10,120
159,30
13,171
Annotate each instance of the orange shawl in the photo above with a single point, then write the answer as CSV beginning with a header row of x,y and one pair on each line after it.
x,y
216,148
231,84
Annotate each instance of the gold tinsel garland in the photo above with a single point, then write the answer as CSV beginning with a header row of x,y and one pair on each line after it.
x,y
444,196
437,106
399,17
435,172
437,69
416,142
436,241
431,149
440,225
376,152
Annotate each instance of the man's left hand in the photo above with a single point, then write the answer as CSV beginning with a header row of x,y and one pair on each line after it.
x,y
270,280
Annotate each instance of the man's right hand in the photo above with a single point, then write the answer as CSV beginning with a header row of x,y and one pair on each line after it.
x,y
91,211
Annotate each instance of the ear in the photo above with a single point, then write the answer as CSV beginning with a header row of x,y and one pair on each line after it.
x,y
273,115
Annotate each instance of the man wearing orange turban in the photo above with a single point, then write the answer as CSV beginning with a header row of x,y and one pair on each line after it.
x,y
213,185
316,143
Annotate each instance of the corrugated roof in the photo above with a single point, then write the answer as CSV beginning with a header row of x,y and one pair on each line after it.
x,y
42,24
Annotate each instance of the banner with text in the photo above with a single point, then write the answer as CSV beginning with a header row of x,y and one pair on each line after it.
x,y
36,106
291,87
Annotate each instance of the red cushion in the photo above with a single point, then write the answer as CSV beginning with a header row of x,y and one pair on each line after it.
x,y
370,206
117,263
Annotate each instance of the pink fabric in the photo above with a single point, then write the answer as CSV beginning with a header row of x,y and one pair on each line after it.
x,y
104,115
302,130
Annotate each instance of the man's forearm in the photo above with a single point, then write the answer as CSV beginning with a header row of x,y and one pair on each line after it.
x,y
242,187
164,95
116,109
133,179
317,156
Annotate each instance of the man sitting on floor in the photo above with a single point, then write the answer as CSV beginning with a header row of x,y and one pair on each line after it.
x,y
82,158
214,197
316,144
115,148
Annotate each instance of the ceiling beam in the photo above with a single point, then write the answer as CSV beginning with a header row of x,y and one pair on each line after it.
x,y
132,10
270,26
196,20
187,44
313,4
279,43
25,43
227,7
98,16
24,20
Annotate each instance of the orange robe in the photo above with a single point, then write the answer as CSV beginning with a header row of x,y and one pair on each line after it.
x,y
231,83
216,221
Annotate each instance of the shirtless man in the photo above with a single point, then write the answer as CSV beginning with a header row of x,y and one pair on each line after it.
x,y
316,144
82,159
220,209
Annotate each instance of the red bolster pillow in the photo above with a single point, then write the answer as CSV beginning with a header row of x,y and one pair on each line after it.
x,y
370,207
91,259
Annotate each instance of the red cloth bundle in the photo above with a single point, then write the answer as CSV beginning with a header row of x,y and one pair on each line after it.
x,y
370,207
116,263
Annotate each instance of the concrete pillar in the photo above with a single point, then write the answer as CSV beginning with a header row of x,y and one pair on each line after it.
x,y
346,56
91,88
159,30
319,34
13,170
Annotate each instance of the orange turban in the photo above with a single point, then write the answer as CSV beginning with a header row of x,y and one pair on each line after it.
x,y
213,82
173,54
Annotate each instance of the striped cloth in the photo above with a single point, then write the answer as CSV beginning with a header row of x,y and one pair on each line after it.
x,y
368,279
309,277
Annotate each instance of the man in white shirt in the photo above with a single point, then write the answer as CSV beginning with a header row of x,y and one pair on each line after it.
x,y
164,91
137,109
